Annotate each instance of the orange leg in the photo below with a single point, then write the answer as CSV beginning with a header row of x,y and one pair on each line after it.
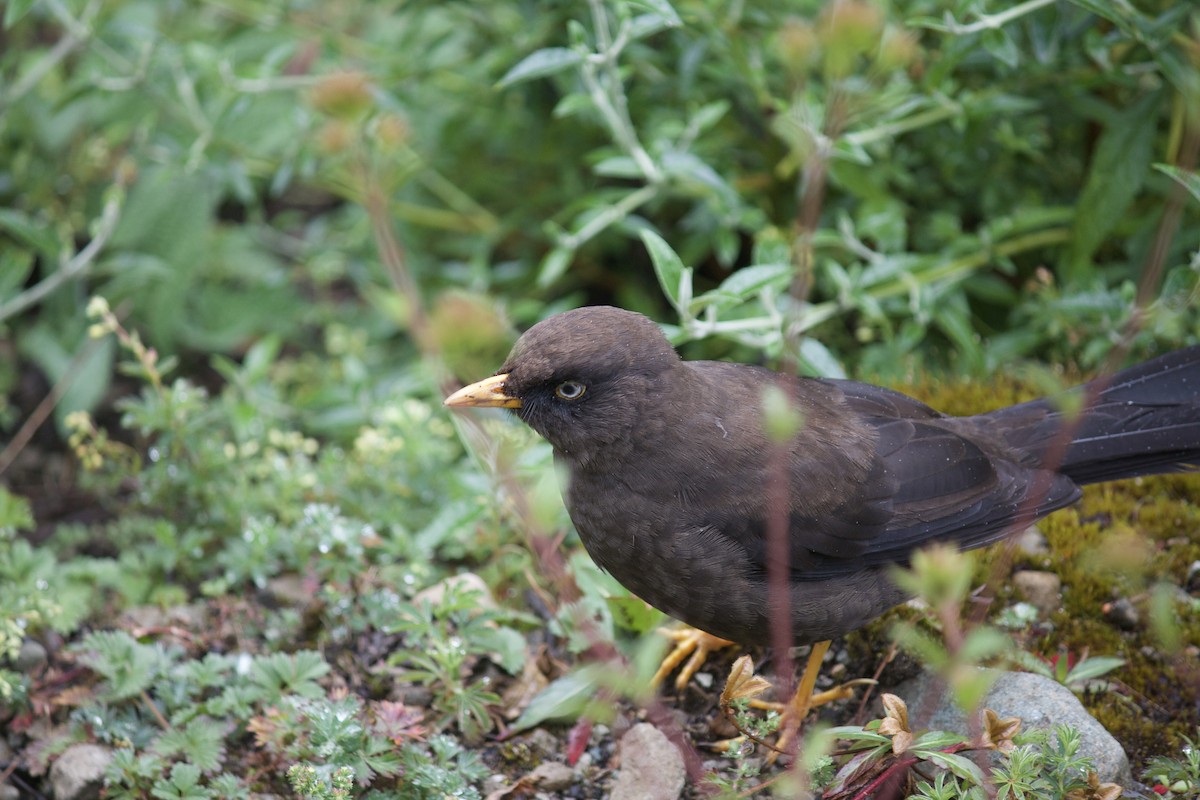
x,y
692,642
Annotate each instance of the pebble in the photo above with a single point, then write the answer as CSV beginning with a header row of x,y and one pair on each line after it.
x,y
1123,614
78,772
552,776
652,767
1040,588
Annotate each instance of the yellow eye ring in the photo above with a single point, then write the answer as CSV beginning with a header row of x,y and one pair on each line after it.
x,y
570,390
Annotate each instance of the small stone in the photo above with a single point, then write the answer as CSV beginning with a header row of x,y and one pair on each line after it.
x,y
8,792
193,616
1192,581
464,582
78,773
1032,542
146,616
542,742
290,591
652,767
31,657
413,695
1039,588
552,776
1123,614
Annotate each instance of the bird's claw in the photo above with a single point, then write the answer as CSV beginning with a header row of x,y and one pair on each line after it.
x,y
691,644
843,691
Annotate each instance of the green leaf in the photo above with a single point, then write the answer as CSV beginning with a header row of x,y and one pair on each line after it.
x,y
1093,668
1186,179
749,281
1001,46
295,673
674,278
184,784
855,734
1118,169
15,10
618,167
506,646
1117,13
128,667
937,740
27,231
964,768
690,171
565,698
709,114
633,614
644,25
819,359
1031,663
201,742
541,63
554,265
659,8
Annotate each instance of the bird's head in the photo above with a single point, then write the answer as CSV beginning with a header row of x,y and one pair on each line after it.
x,y
581,378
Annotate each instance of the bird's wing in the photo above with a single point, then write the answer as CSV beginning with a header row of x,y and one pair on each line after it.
x,y
929,479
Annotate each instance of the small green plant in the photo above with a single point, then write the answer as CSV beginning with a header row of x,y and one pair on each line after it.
x,y
309,783
443,642
941,577
1176,777
1077,672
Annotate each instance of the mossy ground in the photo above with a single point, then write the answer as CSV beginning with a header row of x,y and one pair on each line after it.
x,y
1134,540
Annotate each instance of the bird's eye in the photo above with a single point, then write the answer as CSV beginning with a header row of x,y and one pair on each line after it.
x,y
570,390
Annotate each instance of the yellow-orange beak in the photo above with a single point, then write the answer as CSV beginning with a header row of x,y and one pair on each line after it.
x,y
487,393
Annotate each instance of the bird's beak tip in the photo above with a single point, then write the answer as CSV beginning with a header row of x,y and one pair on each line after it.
x,y
487,393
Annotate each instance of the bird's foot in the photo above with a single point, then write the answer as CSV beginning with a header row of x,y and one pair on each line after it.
x,y
692,644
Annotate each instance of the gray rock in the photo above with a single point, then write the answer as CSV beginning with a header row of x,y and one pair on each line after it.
x,y
1039,588
78,774
1037,701
552,776
652,767
31,657
9,792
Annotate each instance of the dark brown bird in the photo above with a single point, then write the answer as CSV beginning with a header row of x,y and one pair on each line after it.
x,y
669,470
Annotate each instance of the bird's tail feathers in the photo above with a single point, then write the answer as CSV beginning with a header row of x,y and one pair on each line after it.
x,y
1140,421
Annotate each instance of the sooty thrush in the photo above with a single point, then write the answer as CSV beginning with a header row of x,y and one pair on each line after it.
x,y
669,471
